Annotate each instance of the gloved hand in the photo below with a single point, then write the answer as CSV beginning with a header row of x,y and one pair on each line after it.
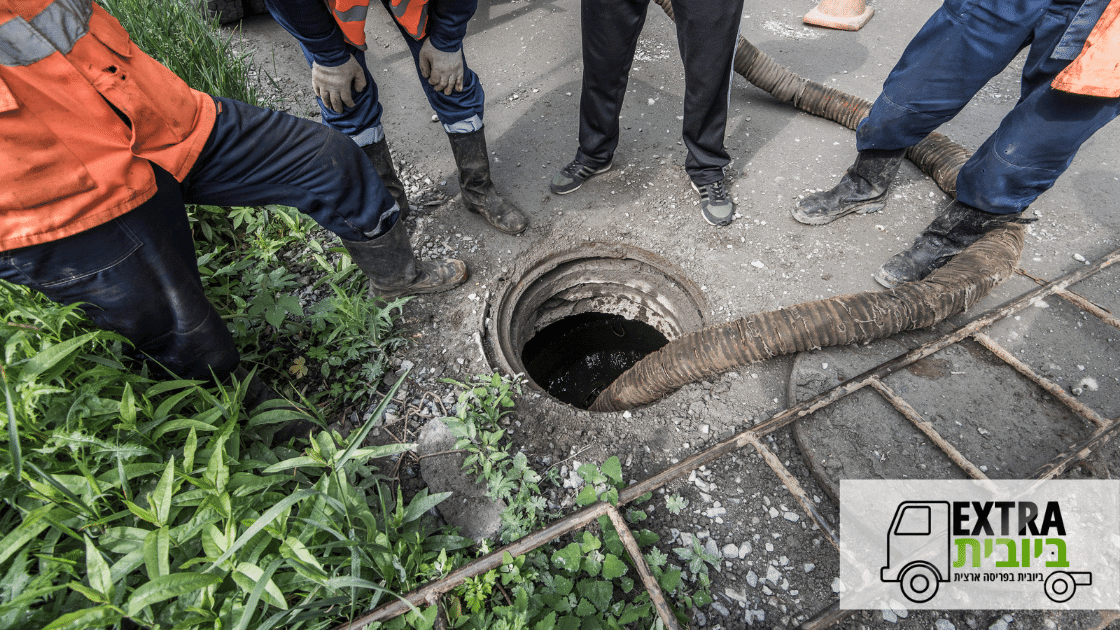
x,y
443,70
333,84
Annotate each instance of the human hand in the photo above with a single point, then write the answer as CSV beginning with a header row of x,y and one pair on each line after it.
x,y
443,70
333,84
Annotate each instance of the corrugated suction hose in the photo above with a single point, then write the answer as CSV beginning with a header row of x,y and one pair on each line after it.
x,y
834,321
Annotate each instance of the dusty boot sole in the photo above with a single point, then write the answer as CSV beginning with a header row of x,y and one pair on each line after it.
x,y
887,279
866,207
495,225
462,274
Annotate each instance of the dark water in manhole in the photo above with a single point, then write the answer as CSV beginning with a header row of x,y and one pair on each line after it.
x,y
576,358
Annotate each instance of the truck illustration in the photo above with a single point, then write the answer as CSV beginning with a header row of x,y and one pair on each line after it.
x,y
920,548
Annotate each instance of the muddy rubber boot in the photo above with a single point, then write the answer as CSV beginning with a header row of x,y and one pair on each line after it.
x,y
378,153
479,194
392,268
863,189
957,227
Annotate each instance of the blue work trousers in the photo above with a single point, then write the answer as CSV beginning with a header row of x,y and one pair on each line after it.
x,y
366,113
962,46
137,274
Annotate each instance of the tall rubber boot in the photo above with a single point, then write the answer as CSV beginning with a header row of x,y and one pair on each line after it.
x,y
479,194
378,153
957,227
863,189
392,268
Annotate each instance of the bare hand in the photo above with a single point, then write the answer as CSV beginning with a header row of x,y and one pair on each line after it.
x,y
333,84
443,70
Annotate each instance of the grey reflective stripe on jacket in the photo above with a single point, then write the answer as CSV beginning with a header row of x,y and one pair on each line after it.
x,y
1073,40
56,29
353,14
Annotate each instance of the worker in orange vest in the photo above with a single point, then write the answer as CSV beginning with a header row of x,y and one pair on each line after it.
x,y
100,148
1070,89
332,36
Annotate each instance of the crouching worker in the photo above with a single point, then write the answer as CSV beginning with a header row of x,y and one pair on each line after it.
x,y
101,146
1070,85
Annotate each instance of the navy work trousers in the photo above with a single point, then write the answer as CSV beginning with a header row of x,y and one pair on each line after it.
x,y
138,275
707,31
366,113
962,46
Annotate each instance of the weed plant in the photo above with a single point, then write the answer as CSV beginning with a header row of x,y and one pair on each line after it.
x,y
587,583
126,498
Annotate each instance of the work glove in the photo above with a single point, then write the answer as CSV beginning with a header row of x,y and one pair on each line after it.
x,y
444,70
333,84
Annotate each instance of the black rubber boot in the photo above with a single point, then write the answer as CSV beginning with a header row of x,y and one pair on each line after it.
x,y
378,153
957,227
391,266
479,194
863,189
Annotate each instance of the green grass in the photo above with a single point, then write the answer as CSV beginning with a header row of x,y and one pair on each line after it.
x,y
178,35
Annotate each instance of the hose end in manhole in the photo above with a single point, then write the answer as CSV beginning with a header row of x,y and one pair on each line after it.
x,y
575,320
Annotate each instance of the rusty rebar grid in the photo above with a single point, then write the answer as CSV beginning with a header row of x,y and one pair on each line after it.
x,y
652,587
927,429
831,614
1080,302
1051,387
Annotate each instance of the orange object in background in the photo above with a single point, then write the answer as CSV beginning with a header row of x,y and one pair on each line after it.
x,y
1096,71
846,15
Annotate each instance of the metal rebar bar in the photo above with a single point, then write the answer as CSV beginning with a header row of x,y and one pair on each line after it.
x,y
927,428
652,587
1077,452
794,486
827,617
1081,302
1051,387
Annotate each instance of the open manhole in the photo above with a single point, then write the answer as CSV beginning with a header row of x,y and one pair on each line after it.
x,y
577,319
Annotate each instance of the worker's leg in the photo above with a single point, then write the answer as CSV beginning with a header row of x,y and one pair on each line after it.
x,y
256,156
961,47
610,30
139,277
707,32
1039,137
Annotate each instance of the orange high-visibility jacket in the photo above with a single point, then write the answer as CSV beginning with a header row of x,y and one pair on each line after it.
x,y
1096,71
68,162
412,15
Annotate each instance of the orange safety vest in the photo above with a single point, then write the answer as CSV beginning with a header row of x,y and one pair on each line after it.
x,y
412,15
1096,70
68,162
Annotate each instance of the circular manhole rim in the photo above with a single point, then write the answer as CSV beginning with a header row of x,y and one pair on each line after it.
x,y
507,341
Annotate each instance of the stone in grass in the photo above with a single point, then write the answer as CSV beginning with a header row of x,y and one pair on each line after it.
x,y
468,508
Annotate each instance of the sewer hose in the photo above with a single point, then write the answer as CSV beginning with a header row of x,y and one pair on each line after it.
x,y
841,320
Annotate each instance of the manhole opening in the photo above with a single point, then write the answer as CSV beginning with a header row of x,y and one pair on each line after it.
x,y
575,358
575,320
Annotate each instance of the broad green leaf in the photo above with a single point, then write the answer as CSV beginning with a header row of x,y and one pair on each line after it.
x,y
13,430
161,498
295,462
47,358
259,590
421,503
99,617
29,529
612,468
613,567
189,450
568,558
141,513
179,424
262,522
166,587
598,592
157,547
128,407
91,594
248,576
587,495
100,579
669,580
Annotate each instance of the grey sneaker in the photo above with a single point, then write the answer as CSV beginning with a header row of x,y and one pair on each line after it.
x,y
715,203
572,176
